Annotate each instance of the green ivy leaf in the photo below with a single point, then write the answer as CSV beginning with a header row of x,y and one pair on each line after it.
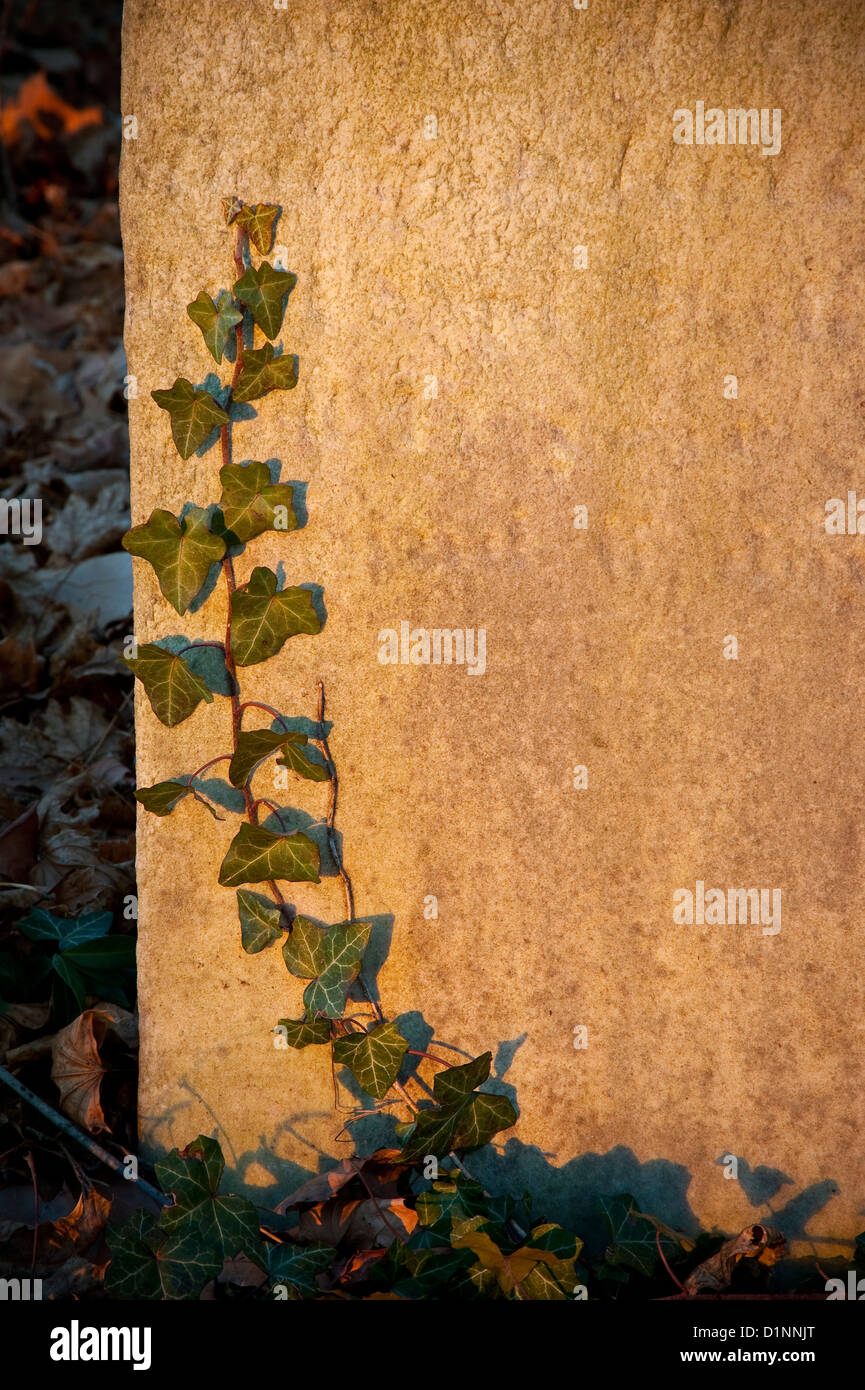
x,y
249,501
263,619
298,1265
633,1241
256,855
256,744
40,925
260,921
181,552
302,951
303,1032
262,372
263,292
215,319
483,1117
162,797
294,758
173,689
257,221
192,1175
338,955
457,1083
149,1263
432,1133
373,1058
194,413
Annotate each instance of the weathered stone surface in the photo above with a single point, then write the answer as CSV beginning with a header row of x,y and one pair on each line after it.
x,y
453,257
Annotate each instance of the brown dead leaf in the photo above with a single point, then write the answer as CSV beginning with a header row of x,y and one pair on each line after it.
x,y
360,1224
83,1225
758,1242
380,1173
77,1069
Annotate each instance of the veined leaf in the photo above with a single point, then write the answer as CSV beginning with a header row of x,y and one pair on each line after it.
x,y
262,372
173,689
263,291
181,552
302,951
299,1264
162,797
257,221
215,319
194,413
483,1117
256,855
456,1083
250,500
192,1175
330,957
263,619
260,920
303,1032
149,1263
256,744
373,1057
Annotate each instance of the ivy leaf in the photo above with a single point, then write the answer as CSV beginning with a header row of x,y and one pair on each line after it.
x,y
162,797
149,1263
192,1175
257,220
216,319
256,744
299,1264
373,1058
432,1133
263,291
194,413
303,949
181,552
457,1083
482,1118
633,1240
40,925
256,855
340,955
249,501
302,1032
260,921
173,689
294,758
262,619
261,372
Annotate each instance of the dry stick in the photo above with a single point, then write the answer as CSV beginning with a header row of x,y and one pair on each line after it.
x,y
32,1166
84,1140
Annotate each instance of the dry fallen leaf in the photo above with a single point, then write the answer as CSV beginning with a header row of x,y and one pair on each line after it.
x,y
77,1069
757,1242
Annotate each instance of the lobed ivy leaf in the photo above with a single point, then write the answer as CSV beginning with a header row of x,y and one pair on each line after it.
x,y
256,855
262,619
633,1241
173,688
194,413
181,552
216,319
249,501
256,744
260,921
192,1175
40,925
262,372
330,957
373,1057
299,1265
457,1083
257,221
150,1263
304,1032
482,1118
162,797
295,759
263,292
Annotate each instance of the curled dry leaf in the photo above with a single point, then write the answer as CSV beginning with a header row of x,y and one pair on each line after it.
x,y
77,1069
758,1242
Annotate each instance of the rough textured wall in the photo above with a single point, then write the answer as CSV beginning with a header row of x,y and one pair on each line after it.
x,y
453,257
